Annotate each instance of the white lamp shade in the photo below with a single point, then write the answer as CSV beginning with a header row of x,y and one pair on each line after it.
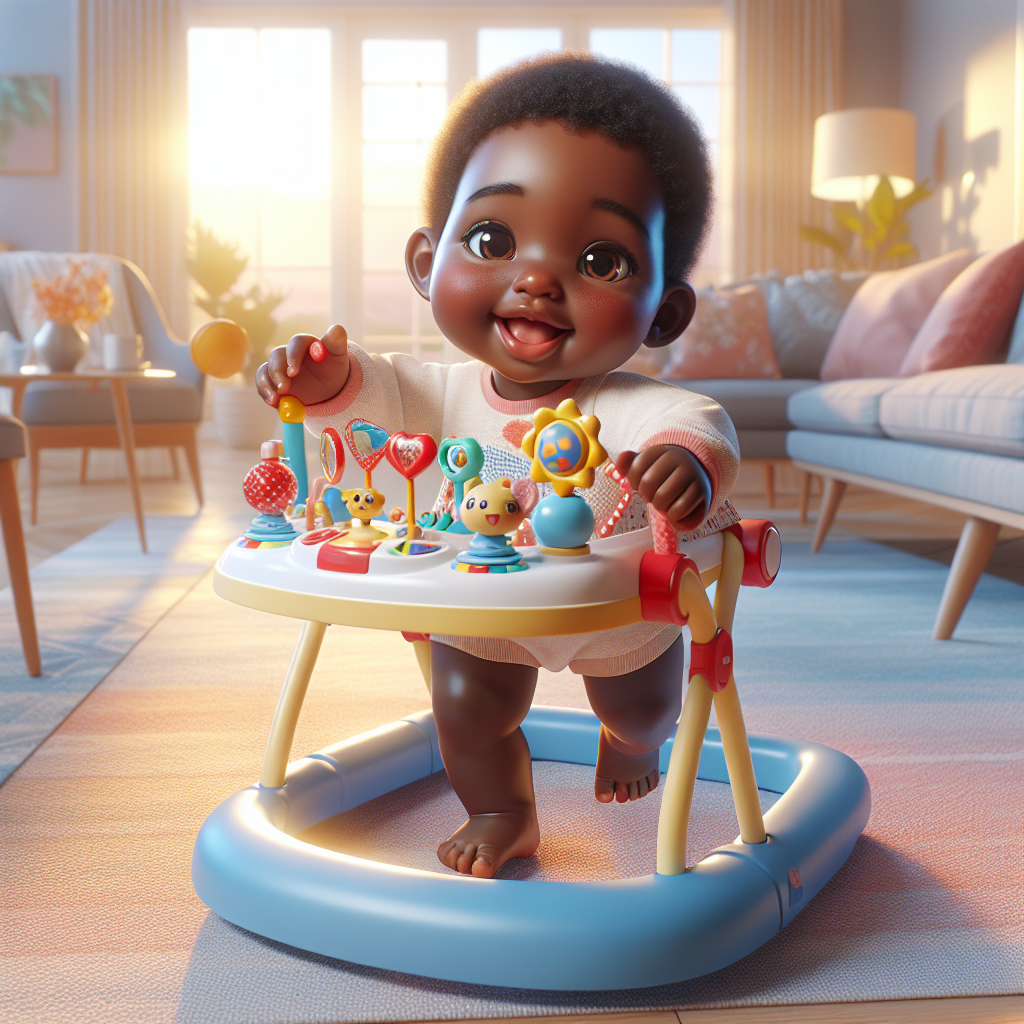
x,y
854,148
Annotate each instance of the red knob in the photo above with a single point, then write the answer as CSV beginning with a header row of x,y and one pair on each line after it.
x,y
762,551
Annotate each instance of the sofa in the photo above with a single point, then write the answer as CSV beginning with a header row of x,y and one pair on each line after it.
x,y
952,437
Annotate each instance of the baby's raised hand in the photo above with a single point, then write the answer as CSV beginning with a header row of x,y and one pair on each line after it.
x,y
672,480
288,371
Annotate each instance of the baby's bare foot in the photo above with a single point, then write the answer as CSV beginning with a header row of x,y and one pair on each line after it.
x,y
623,777
486,841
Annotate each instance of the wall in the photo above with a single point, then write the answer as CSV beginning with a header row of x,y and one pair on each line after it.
x,y
959,78
871,53
40,37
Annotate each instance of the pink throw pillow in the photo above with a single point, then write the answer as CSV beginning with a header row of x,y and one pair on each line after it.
x,y
971,321
728,337
885,314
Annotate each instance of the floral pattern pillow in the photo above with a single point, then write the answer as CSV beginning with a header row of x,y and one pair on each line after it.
x,y
728,337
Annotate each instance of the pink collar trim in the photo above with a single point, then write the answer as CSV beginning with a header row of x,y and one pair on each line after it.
x,y
504,405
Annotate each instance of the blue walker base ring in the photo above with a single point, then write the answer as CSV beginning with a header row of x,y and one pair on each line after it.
x,y
629,933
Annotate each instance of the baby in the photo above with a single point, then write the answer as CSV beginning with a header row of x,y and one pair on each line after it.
x,y
566,200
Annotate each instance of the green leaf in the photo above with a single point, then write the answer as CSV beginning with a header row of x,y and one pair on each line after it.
x,y
819,236
847,215
881,208
920,193
900,250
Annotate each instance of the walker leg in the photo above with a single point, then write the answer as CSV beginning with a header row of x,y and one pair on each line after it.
x,y
693,722
741,767
421,648
681,778
727,704
286,715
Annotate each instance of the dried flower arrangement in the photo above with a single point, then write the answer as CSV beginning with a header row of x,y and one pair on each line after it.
x,y
77,297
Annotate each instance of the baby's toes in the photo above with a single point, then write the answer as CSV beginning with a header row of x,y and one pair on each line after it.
x,y
483,862
604,789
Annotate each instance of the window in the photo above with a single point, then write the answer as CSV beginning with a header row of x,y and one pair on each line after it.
x,y
689,61
259,161
404,96
272,102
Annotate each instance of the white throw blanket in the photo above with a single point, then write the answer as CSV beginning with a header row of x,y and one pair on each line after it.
x,y
17,271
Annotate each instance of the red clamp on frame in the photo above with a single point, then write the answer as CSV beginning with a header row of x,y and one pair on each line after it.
x,y
762,551
713,660
660,578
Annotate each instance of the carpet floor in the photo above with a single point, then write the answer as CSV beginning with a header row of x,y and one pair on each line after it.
x,y
94,602
97,826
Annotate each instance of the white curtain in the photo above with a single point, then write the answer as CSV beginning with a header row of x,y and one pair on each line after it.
x,y
133,159
788,71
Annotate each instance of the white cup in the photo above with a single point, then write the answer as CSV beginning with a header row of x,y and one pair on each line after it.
x,y
122,351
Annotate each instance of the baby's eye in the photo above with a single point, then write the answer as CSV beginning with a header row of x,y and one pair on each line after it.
x,y
490,241
603,263
356,498
511,508
483,503
471,503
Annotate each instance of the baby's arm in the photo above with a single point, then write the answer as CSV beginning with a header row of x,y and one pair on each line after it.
x,y
289,372
672,479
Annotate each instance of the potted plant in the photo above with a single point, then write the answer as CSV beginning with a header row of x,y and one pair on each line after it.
x,y
241,417
875,237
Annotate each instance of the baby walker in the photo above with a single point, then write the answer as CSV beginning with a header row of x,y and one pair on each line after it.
x,y
433,575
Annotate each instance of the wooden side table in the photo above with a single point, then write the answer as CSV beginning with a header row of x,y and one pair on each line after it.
x,y
118,381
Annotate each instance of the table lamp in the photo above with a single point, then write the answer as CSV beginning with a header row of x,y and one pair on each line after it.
x,y
854,148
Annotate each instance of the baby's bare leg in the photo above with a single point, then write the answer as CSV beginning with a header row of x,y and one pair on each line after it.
x,y
478,708
638,712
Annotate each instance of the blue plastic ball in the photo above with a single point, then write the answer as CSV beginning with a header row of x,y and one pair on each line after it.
x,y
562,522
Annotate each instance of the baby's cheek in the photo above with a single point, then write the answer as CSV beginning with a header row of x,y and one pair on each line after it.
x,y
461,297
614,317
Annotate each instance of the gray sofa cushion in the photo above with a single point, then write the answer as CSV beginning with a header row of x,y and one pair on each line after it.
x,y
12,438
980,408
752,403
841,406
803,313
156,401
989,479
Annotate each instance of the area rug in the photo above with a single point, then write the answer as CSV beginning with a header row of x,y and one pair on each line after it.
x,y
94,601
101,922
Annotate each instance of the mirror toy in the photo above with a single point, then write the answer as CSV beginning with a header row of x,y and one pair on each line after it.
x,y
466,568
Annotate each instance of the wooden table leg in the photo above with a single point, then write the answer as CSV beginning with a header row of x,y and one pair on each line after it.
x,y
18,397
286,715
17,564
123,418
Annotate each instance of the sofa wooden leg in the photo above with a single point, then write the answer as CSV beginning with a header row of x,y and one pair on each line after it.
x,y
192,457
831,496
805,494
17,564
175,471
768,469
977,539
83,470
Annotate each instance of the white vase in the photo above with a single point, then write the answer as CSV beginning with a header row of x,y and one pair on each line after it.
x,y
59,347
242,418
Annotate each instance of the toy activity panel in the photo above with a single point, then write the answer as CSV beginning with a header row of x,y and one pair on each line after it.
x,y
494,559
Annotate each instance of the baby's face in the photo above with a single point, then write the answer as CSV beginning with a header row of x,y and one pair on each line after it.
x,y
550,266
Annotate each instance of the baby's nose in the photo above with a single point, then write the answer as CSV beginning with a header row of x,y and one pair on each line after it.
x,y
537,281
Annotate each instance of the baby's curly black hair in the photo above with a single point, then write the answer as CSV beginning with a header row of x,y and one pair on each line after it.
x,y
584,92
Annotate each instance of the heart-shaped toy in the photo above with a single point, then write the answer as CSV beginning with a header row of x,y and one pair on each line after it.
x,y
410,454
367,442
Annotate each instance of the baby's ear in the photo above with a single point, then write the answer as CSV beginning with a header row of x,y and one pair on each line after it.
x,y
674,315
419,259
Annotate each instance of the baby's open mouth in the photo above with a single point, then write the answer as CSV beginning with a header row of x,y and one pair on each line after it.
x,y
530,339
